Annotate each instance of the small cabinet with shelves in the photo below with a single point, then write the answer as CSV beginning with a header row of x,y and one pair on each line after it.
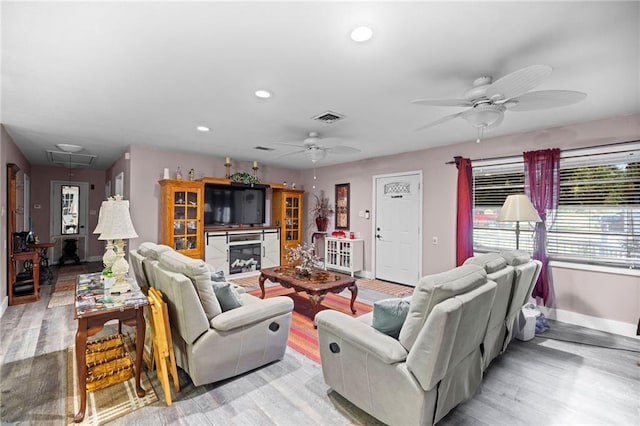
x,y
343,255
181,216
287,216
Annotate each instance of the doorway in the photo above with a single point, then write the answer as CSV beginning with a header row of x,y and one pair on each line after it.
x,y
68,216
398,227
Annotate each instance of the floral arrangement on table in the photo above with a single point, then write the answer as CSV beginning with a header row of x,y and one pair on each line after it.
x,y
244,177
305,257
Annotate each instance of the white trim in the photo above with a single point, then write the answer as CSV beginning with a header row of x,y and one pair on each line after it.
x,y
601,324
595,268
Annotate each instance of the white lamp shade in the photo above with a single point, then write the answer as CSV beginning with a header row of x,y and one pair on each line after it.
x,y
101,215
518,208
117,224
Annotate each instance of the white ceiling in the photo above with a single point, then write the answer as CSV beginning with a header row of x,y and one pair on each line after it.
x,y
109,75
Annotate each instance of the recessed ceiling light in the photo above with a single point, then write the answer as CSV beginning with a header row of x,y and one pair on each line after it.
x,y
202,128
361,34
264,94
69,148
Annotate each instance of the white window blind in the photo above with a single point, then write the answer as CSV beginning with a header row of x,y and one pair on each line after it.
x,y
598,218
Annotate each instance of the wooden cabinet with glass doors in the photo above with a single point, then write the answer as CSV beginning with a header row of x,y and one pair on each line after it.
x,y
287,214
181,218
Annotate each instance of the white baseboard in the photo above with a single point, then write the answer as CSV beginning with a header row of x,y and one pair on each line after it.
x,y
364,274
601,324
4,305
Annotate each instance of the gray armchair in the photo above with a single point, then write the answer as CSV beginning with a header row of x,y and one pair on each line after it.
x,y
211,344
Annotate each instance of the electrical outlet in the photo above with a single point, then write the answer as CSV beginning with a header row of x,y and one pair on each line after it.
x,y
434,240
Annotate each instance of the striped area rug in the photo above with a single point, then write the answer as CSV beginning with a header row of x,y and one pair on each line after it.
x,y
303,338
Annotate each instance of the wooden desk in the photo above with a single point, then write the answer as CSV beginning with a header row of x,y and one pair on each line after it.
x,y
317,286
93,308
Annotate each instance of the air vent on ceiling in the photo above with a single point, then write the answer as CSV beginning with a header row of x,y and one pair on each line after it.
x,y
263,148
328,117
70,159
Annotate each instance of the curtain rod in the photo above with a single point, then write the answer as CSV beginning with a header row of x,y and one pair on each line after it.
x,y
457,158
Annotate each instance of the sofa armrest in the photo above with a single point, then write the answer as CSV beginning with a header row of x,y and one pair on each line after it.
x,y
360,334
252,313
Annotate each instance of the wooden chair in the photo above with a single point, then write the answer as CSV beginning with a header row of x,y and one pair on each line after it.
x,y
162,344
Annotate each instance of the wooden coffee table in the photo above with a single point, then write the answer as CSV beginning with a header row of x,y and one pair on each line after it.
x,y
316,286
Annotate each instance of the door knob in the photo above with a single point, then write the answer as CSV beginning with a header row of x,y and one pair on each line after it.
x,y
378,236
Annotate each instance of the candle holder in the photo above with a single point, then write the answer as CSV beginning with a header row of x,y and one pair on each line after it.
x,y
255,168
227,165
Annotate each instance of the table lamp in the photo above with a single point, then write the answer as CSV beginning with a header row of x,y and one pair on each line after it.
x,y
518,208
109,255
117,226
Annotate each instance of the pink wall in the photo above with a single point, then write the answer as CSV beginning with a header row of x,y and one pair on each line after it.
x,y
9,153
439,192
146,169
41,178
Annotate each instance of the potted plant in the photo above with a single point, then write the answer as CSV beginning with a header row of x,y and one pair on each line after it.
x,y
321,211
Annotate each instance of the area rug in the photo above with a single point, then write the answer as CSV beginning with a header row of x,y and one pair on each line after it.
x,y
303,337
61,298
397,290
251,281
106,404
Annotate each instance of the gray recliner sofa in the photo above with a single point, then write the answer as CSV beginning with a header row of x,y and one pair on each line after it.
x,y
458,322
435,363
211,345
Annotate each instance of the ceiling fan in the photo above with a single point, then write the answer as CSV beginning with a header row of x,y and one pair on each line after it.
x,y
488,100
316,148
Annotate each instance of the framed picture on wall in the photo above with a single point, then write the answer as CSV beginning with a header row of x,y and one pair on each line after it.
x,y
342,206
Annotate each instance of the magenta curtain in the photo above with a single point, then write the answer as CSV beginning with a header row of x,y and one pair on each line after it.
x,y
464,218
542,185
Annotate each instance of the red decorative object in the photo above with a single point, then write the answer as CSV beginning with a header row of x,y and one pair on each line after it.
x,y
321,223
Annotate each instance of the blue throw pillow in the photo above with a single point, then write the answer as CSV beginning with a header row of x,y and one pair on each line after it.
x,y
218,276
227,296
389,315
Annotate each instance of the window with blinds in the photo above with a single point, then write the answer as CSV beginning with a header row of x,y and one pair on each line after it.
x,y
598,218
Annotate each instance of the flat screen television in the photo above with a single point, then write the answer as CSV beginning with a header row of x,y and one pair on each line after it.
x,y
228,205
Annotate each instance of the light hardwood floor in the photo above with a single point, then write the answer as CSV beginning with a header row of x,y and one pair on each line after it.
x,y
540,382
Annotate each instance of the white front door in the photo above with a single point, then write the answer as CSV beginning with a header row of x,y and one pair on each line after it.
x,y
398,227
68,217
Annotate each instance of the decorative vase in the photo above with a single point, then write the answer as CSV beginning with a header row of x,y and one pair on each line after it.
x,y
321,223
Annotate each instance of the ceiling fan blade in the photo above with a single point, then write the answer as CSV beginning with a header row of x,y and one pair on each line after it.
x,y
443,102
327,142
297,145
341,149
543,99
518,82
440,121
292,153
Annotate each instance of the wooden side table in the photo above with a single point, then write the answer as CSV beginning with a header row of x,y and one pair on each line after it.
x,y
93,308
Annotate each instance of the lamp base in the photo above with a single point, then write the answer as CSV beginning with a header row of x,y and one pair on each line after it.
x,y
120,287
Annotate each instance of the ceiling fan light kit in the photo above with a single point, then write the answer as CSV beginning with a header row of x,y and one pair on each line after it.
x,y
488,100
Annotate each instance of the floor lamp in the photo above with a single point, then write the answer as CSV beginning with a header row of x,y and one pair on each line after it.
x,y
518,208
